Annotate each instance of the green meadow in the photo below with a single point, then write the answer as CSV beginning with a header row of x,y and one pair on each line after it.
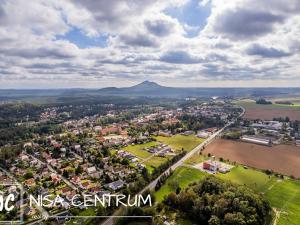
x,y
179,141
283,194
138,150
156,161
250,104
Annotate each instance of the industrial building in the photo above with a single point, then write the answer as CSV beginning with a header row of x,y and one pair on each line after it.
x,y
256,140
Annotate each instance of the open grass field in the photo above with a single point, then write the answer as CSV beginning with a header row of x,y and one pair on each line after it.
x,y
155,161
282,194
254,179
294,99
183,176
196,158
179,141
283,159
138,151
268,112
149,162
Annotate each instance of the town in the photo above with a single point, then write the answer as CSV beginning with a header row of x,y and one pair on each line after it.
x,y
115,153
121,151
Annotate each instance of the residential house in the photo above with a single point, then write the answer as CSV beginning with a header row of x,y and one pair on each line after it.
x,y
116,185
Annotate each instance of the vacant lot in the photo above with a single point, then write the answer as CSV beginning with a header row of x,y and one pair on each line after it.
x,y
138,150
145,156
283,159
156,161
268,112
179,141
195,159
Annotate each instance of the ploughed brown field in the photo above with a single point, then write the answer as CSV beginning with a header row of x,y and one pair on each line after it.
x,y
269,114
283,159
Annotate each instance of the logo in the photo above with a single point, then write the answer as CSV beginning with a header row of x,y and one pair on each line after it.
x,y
11,201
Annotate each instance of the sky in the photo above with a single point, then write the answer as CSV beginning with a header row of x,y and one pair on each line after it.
x,y
182,43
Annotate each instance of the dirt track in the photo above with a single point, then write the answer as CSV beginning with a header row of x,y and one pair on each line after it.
x,y
283,159
269,114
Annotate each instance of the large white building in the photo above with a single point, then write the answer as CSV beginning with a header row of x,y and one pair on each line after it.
x,y
256,140
269,125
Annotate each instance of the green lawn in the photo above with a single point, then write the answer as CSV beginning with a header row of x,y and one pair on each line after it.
x,y
183,176
179,141
138,151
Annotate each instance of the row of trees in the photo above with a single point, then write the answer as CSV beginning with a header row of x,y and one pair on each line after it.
x,y
163,179
263,101
163,167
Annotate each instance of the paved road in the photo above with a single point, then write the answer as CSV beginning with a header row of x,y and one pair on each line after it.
x,y
110,220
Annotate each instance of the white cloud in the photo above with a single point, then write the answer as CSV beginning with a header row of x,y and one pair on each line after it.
x,y
243,41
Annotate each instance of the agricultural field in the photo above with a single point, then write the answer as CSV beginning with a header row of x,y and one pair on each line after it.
x,y
182,177
293,99
268,112
178,141
283,159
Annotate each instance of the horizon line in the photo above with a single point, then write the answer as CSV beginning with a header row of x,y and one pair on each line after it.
x,y
99,88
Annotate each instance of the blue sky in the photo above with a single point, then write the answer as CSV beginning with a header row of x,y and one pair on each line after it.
x,y
193,14
192,43
77,37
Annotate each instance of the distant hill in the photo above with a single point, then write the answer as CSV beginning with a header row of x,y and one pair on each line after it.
x,y
144,89
152,89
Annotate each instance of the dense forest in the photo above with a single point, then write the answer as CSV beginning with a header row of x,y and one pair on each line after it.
x,y
16,112
12,131
212,201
